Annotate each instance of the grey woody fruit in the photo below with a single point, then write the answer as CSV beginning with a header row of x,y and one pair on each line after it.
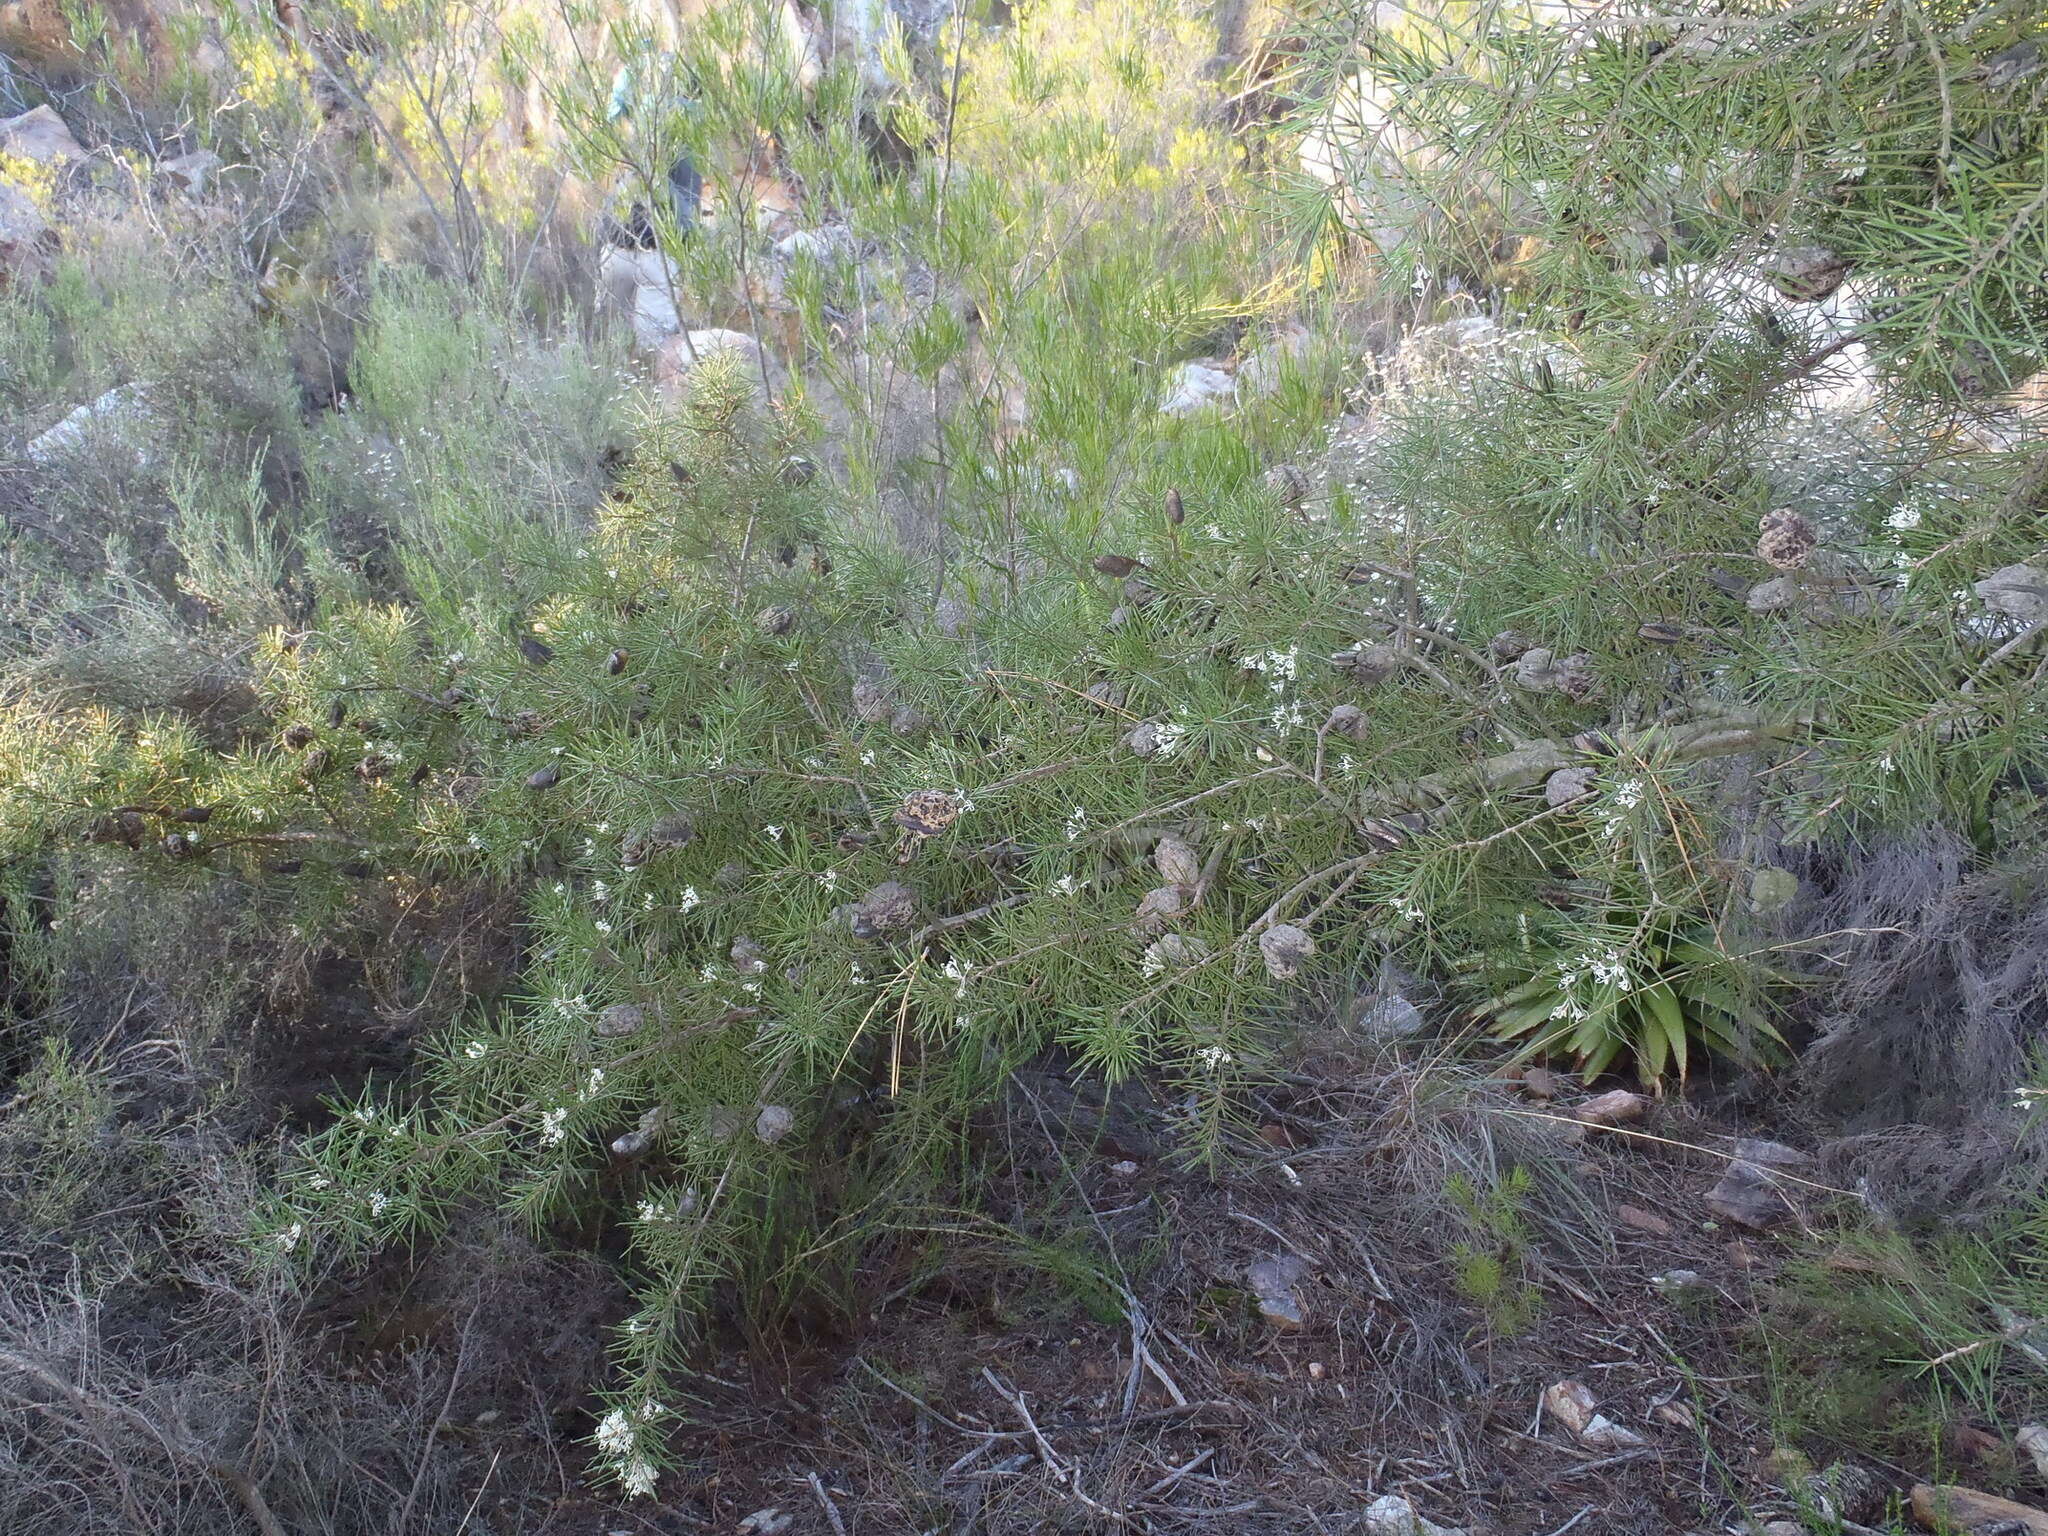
x,y
1178,863
621,1020
1785,541
1285,948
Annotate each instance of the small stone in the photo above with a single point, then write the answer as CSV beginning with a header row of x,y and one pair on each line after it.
x,y
544,778
1392,1515
1747,1196
1681,1285
773,1123
1573,1405
775,620
747,957
1541,1083
1273,1281
1619,1107
2017,591
40,135
1284,948
1676,1415
1392,1017
1772,1154
1636,1219
1197,385
1119,566
190,173
2033,1439
1773,596
1123,1170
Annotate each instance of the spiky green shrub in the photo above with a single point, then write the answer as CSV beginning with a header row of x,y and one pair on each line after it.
x,y
824,799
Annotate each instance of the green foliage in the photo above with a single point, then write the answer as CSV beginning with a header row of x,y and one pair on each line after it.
x,y
1631,987
811,804
1887,1340
1492,1266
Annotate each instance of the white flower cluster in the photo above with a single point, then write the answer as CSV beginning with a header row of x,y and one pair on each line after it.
x,y
1278,667
1214,1058
554,1127
1077,823
1167,737
618,1437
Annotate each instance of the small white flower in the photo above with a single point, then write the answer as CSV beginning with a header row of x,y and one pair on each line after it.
x,y
554,1127
1905,517
962,801
1408,911
615,1433
320,1181
1629,794
708,973
867,759
1214,1057
639,1478
602,926
288,1239
773,832
654,1210
599,891
1066,885
689,900
596,1082
1077,823
829,879
379,1201
475,1050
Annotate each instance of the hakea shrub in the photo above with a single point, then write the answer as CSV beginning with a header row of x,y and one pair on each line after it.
x,y
810,856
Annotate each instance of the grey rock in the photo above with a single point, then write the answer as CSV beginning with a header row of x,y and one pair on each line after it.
x,y
1748,1196
1392,1017
1273,1282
